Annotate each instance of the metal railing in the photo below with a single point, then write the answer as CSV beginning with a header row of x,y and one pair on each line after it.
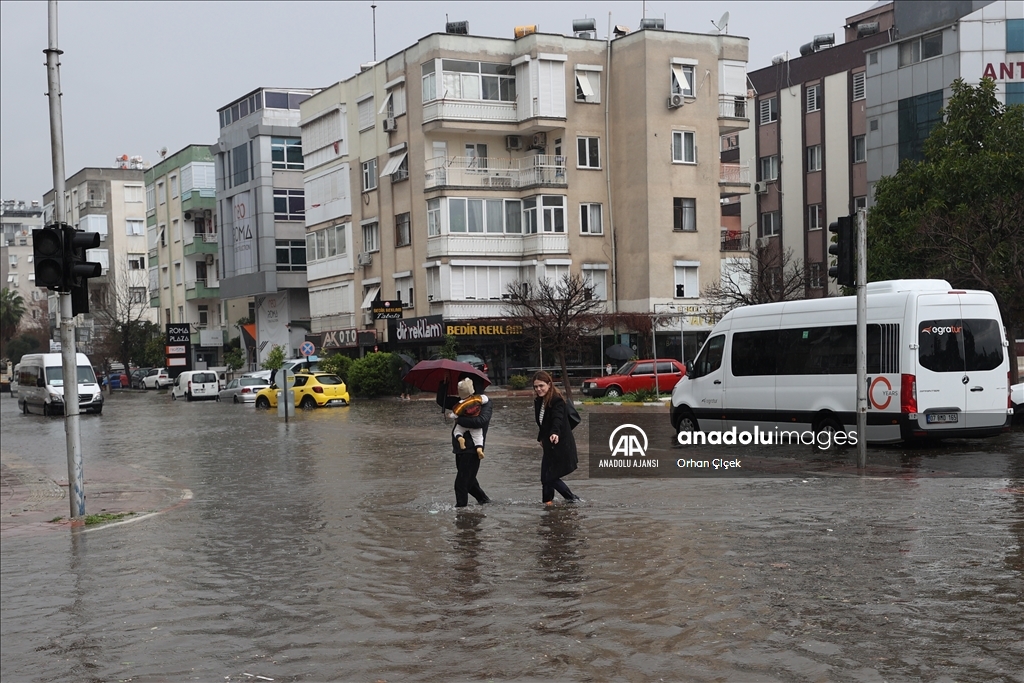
x,y
735,173
735,240
541,169
732,107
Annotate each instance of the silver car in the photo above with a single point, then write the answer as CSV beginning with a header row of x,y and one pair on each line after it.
x,y
243,389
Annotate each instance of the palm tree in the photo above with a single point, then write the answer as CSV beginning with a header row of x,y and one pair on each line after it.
x,y
12,308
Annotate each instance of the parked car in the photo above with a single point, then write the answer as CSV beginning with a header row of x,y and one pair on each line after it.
x,y
634,376
158,378
137,377
312,390
195,385
243,389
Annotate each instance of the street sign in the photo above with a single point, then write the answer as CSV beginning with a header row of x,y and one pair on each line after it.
x,y
307,348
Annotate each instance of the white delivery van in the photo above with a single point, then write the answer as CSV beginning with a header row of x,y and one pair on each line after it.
x,y
41,385
14,381
938,366
196,385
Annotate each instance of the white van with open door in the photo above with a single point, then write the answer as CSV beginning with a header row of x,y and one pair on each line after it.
x,y
41,385
938,366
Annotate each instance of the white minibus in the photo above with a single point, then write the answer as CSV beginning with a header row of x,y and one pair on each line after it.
x,y
938,366
41,384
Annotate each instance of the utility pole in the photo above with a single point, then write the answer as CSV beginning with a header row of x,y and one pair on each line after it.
x,y
862,338
65,316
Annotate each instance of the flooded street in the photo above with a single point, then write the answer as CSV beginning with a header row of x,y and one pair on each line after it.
x,y
329,549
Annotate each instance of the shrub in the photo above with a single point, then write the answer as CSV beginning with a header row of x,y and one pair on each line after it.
x,y
339,364
234,358
450,347
641,396
376,374
518,381
275,359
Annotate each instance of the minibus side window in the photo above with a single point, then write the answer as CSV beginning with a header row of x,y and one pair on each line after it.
x,y
753,353
710,357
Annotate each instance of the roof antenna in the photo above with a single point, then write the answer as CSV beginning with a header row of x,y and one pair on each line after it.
x,y
373,7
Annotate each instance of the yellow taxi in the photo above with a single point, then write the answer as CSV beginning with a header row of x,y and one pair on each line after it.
x,y
312,390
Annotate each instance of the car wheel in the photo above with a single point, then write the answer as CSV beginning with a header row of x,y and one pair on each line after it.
x,y
99,411
829,425
263,403
308,403
188,396
46,409
687,423
613,392
234,399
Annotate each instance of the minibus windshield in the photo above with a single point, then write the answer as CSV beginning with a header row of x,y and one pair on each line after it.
x,y
55,376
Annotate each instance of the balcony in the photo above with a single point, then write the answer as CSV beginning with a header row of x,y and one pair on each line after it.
x,y
496,173
470,111
512,246
735,240
200,243
468,309
198,289
734,179
732,114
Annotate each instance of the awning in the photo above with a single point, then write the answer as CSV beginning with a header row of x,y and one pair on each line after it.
x,y
249,334
384,107
370,296
683,77
393,164
584,84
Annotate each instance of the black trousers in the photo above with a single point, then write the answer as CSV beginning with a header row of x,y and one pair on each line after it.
x,y
466,485
551,484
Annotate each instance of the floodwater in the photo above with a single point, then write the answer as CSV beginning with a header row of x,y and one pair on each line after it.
x,y
328,549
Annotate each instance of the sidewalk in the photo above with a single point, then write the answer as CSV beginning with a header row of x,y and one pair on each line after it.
x,y
30,500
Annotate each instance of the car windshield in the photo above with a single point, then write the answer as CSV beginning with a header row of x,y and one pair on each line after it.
x,y
329,379
55,376
626,367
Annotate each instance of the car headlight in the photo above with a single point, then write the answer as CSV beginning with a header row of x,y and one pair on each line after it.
x,y
56,397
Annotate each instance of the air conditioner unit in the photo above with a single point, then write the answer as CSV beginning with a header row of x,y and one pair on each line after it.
x,y
390,124
365,258
188,215
762,242
675,101
368,318
513,142
540,141
761,187
210,259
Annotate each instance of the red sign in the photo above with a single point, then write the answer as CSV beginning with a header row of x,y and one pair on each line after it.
x,y
1006,71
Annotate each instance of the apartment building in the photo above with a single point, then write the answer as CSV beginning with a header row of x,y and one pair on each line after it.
x,y
808,145
261,214
183,253
908,81
440,175
111,202
17,221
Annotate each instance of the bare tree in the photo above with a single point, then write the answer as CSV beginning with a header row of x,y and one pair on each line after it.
x,y
561,313
120,311
769,275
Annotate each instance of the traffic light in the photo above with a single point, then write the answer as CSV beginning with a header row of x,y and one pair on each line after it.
x,y
843,250
48,257
77,269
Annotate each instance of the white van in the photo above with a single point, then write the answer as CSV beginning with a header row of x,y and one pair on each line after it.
x,y
937,366
14,380
196,385
41,385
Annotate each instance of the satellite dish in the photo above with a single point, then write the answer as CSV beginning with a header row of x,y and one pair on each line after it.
x,y
163,152
723,23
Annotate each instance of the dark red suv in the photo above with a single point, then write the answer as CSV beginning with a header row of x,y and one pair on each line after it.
x,y
635,375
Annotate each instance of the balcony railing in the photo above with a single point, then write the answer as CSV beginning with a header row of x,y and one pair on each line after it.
x,y
470,110
732,107
735,174
496,172
735,240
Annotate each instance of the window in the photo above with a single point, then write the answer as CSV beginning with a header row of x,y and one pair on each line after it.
x,y
403,235
814,217
687,281
163,235
873,125
291,255
813,158
132,193
289,205
919,49
596,279
813,98
174,187
325,243
477,215
401,170
1014,35
588,86
771,224
429,81
684,214
150,197
286,153
366,114
682,80
553,208
684,147
394,102
769,110
136,261
134,226
590,219
917,116
860,150
768,169
476,156
433,217
404,290
814,276
138,295
873,57
860,203
467,80
369,175
859,90
976,344
240,165
513,216
588,154
177,272
1014,92
204,315
176,230
161,192
371,237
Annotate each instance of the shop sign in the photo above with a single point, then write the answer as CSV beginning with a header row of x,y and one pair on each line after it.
x,y
340,339
483,329
387,310
429,328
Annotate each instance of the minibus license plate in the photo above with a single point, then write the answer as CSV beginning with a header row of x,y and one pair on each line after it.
x,y
941,418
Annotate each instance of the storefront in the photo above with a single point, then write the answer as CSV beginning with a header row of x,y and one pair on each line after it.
x,y
500,344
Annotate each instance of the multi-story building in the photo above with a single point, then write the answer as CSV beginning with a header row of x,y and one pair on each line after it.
x,y
111,202
17,273
260,211
908,81
183,253
444,173
807,145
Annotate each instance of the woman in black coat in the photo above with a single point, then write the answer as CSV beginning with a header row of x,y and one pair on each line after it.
x,y
555,436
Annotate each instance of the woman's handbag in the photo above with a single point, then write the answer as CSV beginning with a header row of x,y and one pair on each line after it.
x,y
572,414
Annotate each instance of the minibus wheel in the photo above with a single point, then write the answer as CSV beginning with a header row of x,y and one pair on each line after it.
x,y
687,422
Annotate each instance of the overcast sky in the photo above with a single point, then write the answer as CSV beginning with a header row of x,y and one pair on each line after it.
x,y
139,76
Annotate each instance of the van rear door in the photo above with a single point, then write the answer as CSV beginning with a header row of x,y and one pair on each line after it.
x,y
986,370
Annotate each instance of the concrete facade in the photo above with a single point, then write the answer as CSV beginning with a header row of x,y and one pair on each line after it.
x,y
17,221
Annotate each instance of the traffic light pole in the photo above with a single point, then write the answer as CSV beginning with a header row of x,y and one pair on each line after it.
x,y
862,338
65,317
